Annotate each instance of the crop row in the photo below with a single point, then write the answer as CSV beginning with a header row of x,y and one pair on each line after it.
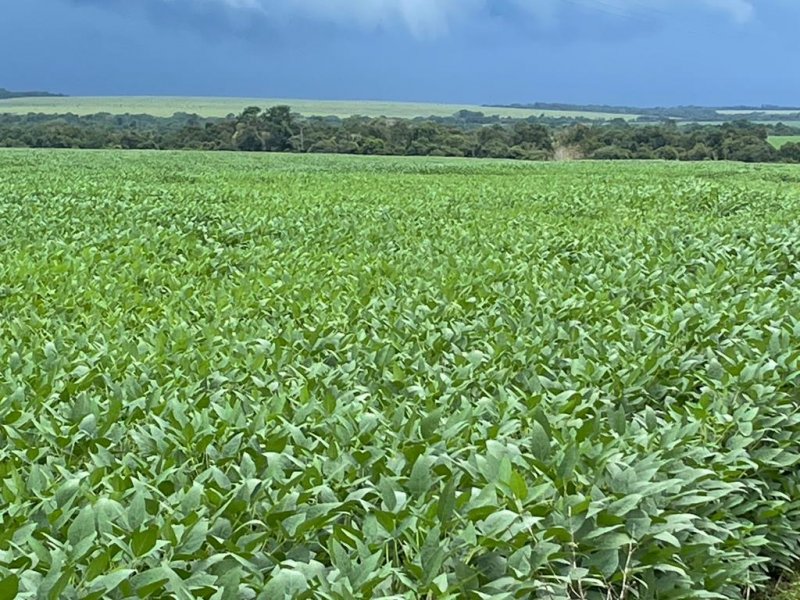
x,y
319,377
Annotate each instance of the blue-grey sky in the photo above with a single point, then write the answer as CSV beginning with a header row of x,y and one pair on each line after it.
x,y
636,52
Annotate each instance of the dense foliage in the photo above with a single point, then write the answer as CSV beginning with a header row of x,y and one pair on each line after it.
x,y
732,141
252,376
466,133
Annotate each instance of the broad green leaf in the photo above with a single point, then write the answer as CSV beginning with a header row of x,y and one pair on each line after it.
x,y
540,441
421,477
9,587
625,505
518,486
137,512
498,522
192,499
607,562
286,584
194,538
144,541
447,503
82,527
152,580
430,423
110,582
387,494
668,538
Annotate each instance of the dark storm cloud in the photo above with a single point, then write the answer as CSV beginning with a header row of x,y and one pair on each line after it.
x,y
427,19
479,51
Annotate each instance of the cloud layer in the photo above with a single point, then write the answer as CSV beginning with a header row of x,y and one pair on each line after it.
x,y
435,17
639,52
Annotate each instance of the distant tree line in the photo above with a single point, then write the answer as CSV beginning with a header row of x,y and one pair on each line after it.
x,y
736,141
8,94
467,133
679,113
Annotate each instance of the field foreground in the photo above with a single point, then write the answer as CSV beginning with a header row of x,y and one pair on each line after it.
x,y
238,376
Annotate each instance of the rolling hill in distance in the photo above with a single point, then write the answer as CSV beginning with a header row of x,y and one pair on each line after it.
x,y
211,107
163,106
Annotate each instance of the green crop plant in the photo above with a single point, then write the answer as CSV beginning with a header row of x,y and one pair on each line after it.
x,y
235,376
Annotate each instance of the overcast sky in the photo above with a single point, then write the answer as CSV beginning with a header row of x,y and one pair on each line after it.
x,y
638,52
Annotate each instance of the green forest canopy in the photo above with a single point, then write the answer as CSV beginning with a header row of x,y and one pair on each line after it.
x,y
466,133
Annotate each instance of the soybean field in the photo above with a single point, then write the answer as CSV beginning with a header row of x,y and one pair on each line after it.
x,y
781,140
234,376
166,106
